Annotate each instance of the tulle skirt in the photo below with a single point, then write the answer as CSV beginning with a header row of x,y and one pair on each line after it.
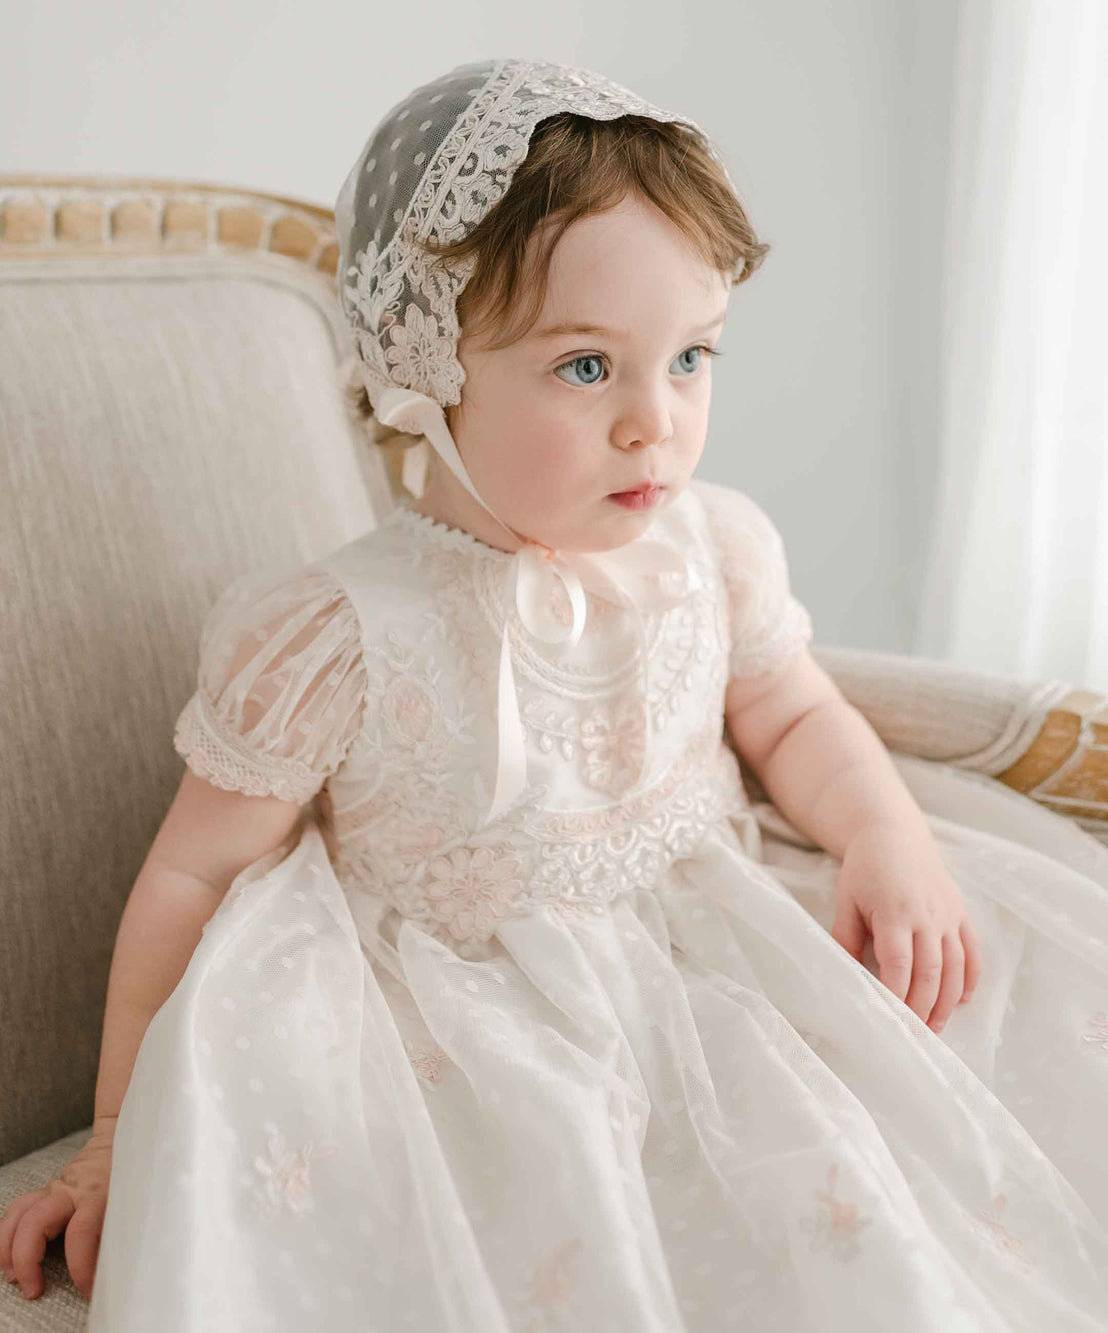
x,y
693,1113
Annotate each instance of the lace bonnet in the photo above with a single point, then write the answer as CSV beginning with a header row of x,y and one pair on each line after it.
x,y
432,169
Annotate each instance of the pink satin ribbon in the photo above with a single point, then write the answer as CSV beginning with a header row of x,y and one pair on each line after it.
x,y
632,576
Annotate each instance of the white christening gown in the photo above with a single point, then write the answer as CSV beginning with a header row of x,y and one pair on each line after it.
x,y
599,1067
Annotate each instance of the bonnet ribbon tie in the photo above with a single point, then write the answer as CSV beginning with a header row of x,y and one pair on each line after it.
x,y
642,574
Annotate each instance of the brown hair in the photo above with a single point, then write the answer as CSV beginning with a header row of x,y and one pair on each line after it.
x,y
576,166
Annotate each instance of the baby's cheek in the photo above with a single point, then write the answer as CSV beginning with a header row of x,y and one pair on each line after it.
x,y
564,466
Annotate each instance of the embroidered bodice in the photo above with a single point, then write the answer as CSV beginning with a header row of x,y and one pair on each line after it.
x,y
369,678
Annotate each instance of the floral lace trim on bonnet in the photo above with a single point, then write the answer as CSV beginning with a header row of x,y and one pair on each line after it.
x,y
471,129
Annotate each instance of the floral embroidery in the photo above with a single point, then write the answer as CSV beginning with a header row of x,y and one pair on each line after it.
x,y
548,1285
837,1224
1099,1034
410,710
567,859
405,802
417,348
593,856
614,742
398,836
426,1061
415,841
989,1224
705,747
471,888
549,727
368,297
286,1175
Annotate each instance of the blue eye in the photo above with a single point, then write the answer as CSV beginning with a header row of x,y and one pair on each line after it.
x,y
598,361
594,362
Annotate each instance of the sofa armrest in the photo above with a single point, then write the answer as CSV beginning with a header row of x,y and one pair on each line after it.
x,y
1065,767
1045,739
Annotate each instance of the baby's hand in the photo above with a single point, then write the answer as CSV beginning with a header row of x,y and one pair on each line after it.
x,y
894,886
75,1200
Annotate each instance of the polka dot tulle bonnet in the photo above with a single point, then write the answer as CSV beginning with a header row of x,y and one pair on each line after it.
x,y
431,170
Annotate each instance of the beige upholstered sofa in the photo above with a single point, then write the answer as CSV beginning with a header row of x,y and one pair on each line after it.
x,y
169,417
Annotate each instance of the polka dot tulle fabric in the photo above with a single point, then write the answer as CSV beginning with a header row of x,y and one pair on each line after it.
x,y
600,1065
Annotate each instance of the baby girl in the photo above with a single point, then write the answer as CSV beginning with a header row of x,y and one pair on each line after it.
x,y
534,1021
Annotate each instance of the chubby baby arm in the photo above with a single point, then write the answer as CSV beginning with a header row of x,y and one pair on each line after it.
x,y
829,773
208,836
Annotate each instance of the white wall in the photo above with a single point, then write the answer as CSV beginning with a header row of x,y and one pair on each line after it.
x,y
832,115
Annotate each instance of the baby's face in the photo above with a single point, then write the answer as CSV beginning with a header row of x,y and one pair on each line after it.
x,y
550,427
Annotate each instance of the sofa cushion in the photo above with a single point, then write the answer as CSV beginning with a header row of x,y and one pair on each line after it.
x,y
166,423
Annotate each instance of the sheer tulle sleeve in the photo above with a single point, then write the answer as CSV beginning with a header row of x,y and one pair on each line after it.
x,y
281,687
768,624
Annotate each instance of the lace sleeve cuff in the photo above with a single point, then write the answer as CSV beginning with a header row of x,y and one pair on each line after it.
x,y
214,754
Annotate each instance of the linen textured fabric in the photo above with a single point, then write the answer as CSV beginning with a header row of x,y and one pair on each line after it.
x,y
599,1065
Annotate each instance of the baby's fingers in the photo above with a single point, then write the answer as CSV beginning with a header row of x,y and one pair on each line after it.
x,y
38,1224
82,1244
972,949
954,969
892,947
927,972
8,1224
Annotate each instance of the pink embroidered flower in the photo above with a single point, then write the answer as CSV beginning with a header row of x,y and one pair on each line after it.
x,y
838,1223
613,742
552,1277
286,1175
411,712
990,1225
415,841
471,888
427,1061
548,1285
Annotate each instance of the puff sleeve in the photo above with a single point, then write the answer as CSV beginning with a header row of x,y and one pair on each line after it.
x,y
281,687
768,623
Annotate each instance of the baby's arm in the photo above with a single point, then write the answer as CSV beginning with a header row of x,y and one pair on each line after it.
x,y
207,837
821,762
829,773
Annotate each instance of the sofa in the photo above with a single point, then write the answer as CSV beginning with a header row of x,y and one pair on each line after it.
x,y
171,416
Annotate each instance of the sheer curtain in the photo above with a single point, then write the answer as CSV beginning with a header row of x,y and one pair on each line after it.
x,y
1016,580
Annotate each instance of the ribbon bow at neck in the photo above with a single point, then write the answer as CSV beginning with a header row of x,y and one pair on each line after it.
x,y
633,576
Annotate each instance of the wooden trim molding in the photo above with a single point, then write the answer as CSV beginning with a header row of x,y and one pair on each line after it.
x,y
43,216
1065,768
